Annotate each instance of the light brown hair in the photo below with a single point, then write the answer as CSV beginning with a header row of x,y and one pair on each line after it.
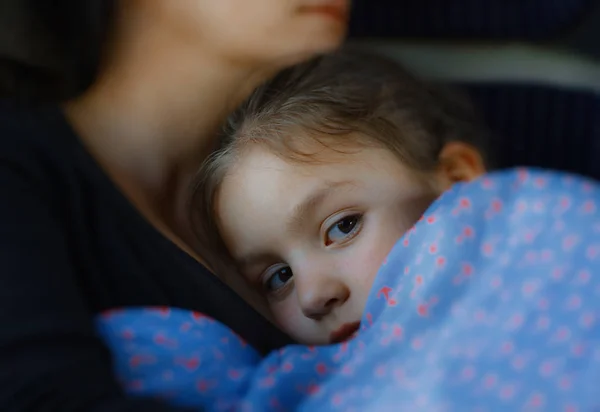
x,y
349,96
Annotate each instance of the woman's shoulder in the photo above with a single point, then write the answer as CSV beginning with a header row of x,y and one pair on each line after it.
x,y
31,124
34,138
39,148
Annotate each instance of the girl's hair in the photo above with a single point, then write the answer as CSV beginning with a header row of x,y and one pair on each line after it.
x,y
347,97
50,50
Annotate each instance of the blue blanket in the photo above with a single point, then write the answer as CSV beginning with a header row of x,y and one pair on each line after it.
x,y
491,302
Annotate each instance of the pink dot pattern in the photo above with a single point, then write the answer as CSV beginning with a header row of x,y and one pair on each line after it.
x,y
491,302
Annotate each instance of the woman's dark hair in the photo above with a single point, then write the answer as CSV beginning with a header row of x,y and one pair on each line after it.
x,y
50,50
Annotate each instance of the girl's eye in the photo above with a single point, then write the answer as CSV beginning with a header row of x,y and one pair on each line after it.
x,y
343,230
278,279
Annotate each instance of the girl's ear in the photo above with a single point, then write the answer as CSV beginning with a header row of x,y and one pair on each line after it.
x,y
459,162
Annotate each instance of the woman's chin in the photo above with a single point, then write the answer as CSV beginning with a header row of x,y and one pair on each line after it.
x,y
321,49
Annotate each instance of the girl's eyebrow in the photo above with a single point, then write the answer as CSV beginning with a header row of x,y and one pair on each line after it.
x,y
307,207
302,212
250,261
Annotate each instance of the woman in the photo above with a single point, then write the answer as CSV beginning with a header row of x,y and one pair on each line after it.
x,y
121,99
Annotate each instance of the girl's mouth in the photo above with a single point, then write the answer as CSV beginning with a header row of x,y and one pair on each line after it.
x,y
345,332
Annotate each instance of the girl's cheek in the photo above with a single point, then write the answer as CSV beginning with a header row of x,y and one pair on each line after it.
x,y
287,315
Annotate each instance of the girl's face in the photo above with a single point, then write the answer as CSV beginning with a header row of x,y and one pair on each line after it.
x,y
257,31
312,236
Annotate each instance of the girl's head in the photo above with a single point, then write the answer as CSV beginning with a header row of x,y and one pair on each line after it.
x,y
320,172
52,50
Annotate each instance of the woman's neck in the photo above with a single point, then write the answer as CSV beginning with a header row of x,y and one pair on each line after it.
x,y
150,118
159,114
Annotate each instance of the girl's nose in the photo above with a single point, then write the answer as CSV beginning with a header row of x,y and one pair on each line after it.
x,y
319,295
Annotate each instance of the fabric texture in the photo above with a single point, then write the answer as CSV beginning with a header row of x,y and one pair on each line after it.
x,y
491,302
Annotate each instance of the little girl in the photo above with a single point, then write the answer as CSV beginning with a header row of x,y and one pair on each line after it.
x,y
320,173
342,195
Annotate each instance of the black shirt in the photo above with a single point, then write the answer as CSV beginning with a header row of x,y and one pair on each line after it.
x,y
72,246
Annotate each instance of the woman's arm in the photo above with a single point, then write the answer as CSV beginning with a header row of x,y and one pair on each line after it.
x,y
50,356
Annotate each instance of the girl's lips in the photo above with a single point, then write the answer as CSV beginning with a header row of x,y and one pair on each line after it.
x,y
344,333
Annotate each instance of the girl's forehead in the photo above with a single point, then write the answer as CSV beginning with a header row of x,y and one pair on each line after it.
x,y
259,178
306,158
